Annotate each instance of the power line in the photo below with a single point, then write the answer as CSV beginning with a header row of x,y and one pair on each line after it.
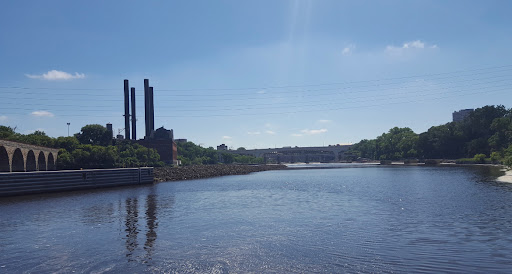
x,y
338,91
277,87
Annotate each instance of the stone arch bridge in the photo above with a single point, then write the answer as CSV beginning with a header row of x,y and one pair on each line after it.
x,y
19,157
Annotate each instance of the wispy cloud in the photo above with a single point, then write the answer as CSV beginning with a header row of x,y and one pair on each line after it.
x,y
3,118
270,132
225,137
42,113
314,131
56,75
253,132
409,46
296,134
348,49
261,91
322,121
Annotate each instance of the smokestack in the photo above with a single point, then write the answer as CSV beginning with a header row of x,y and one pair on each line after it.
x,y
152,110
126,110
146,107
134,117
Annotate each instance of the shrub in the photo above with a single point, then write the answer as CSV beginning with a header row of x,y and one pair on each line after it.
x,y
479,158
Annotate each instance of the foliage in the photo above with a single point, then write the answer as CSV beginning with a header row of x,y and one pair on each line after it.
x,y
6,132
508,161
487,130
84,150
94,135
495,157
479,158
398,143
192,154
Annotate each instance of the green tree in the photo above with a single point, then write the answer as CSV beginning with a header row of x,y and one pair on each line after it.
x,y
94,135
479,158
6,132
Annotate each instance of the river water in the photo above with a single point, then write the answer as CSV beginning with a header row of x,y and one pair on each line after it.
x,y
357,219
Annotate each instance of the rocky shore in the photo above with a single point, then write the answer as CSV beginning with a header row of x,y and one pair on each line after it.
x,y
165,174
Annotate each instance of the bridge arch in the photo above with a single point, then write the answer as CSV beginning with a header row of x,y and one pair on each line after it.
x,y
31,161
51,162
18,164
41,161
5,166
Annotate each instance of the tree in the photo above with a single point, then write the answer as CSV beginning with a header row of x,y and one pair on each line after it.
x,y
6,132
241,148
94,135
67,143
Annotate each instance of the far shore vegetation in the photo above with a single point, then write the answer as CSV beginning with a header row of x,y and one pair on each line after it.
x,y
93,147
483,137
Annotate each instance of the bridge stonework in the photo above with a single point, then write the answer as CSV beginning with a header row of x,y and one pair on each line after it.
x,y
18,157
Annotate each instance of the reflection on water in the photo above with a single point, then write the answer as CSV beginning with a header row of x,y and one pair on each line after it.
x,y
132,226
373,219
151,224
132,219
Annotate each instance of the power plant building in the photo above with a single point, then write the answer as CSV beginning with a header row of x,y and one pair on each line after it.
x,y
162,140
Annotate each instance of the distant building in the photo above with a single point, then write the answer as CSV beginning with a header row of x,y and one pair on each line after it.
x,y
180,141
163,141
109,129
222,147
461,114
120,137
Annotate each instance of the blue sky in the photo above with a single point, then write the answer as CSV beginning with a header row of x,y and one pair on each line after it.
x,y
256,74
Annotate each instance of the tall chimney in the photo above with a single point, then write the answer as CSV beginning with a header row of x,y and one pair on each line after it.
x,y
126,110
152,109
146,107
134,117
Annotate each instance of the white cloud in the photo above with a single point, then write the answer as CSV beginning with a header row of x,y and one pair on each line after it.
x,y
296,134
324,121
42,113
313,131
253,132
3,118
56,75
270,132
408,46
227,137
261,92
348,50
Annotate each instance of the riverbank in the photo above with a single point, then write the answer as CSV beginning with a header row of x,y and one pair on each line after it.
x,y
165,174
507,178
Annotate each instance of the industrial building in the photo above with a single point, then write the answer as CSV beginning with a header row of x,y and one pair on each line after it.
x,y
161,139
462,114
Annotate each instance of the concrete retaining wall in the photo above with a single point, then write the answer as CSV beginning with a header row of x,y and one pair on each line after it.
x,y
12,184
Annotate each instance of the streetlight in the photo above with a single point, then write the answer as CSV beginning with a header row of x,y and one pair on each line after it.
x,y
68,128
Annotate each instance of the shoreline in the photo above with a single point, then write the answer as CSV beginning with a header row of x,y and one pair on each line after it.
x,y
168,174
507,178
182,173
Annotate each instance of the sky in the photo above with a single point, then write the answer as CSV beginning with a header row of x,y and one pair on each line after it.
x,y
253,74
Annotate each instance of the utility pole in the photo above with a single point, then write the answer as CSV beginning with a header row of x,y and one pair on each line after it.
x,y
68,128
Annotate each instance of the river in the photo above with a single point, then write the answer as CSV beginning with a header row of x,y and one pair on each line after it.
x,y
357,219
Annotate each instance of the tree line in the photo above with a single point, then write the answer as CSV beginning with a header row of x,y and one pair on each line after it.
x,y
92,147
486,134
192,154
